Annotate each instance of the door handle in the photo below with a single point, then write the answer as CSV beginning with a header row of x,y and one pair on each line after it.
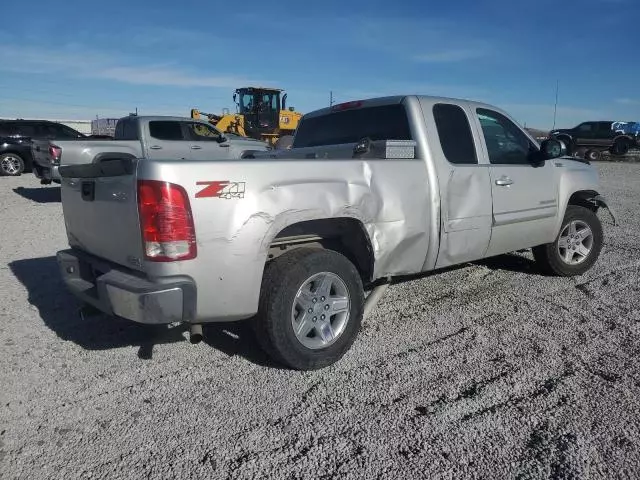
x,y
196,147
504,181
155,147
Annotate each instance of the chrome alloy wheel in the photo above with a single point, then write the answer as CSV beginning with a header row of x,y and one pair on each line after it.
x,y
10,164
320,310
575,242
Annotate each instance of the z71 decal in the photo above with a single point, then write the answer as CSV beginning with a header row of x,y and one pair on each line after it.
x,y
221,189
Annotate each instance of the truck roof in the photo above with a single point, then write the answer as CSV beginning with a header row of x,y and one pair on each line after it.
x,y
395,99
152,118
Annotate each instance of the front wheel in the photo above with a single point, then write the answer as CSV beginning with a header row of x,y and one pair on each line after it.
x,y
11,164
311,308
577,246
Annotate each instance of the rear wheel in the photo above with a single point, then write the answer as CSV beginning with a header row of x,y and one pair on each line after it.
x,y
620,147
11,164
577,246
311,308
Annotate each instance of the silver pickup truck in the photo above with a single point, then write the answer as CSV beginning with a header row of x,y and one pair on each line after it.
x,y
177,138
369,190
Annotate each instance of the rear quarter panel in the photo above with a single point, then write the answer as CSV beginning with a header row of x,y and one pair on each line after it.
x,y
235,224
80,152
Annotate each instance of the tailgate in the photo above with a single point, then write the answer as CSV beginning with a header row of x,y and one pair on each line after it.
x,y
100,210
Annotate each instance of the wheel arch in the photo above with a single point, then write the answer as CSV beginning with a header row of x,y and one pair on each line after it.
x,y
592,200
584,198
346,235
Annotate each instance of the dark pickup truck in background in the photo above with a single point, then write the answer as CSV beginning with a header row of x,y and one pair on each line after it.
x,y
16,142
589,138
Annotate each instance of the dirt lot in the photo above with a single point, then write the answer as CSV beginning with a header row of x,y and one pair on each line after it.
x,y
486,371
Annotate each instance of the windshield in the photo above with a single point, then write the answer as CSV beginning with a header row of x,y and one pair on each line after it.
x,y
260,101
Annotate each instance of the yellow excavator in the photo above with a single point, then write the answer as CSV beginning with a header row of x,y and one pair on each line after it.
x,y
261,114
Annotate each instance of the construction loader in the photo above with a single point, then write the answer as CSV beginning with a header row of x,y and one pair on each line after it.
x,y
261,113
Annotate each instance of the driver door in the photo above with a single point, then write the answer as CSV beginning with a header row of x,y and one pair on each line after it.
x,y
525,203
204,142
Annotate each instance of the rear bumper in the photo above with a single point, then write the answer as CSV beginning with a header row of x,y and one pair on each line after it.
x,y
117,291
47,173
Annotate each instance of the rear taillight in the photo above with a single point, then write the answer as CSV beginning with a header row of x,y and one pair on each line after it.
x,y
168,233
54,154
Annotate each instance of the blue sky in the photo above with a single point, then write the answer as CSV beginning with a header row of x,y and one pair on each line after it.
x,y
68,59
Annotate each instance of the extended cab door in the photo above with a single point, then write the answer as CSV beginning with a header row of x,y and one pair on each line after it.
x,y
166,140
464,184
525,203
204,142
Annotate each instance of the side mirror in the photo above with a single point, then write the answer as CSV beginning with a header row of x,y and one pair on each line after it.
x,y
552,148
221,138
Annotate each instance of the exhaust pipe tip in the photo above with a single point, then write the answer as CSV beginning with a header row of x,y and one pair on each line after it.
x,y
195,333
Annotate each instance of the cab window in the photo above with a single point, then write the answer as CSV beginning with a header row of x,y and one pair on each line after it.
x,y
201,132
506,143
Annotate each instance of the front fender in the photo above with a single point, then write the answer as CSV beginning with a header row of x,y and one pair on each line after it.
x,y
601,201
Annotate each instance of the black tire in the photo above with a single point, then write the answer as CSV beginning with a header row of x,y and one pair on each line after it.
x,y
620,147
273,325
11,164
548,256
579,152
592,155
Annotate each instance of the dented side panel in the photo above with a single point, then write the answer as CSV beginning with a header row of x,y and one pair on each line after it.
x,y
234,232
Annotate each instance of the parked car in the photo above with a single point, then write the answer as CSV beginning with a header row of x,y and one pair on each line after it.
x,y
596,136
161,137
16,139
370,190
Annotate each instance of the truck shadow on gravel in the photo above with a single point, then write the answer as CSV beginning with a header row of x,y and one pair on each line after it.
x,y
510,263
39,195
59,311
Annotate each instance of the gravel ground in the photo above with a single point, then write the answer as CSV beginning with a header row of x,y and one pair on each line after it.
x,y
486,371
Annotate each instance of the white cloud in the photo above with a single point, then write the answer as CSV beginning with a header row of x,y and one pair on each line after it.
x,y
81,63
627,101
452,55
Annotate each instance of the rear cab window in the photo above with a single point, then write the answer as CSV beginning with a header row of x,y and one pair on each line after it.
x,y
126,129
454,131
382,122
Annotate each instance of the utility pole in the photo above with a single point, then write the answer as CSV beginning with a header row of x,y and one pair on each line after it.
x,y
555,106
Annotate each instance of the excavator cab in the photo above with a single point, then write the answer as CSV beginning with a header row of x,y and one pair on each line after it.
x,y
260,108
